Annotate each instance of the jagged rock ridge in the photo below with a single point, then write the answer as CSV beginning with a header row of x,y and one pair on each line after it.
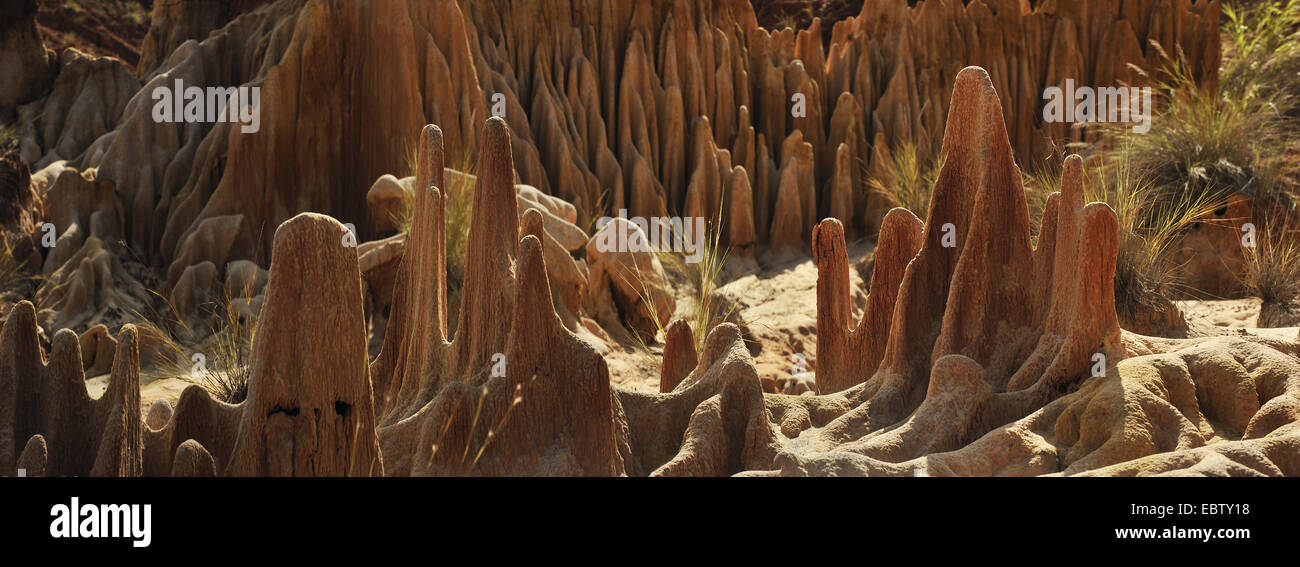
x,y
656,106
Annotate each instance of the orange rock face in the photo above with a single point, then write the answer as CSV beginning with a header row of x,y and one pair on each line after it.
x,y
978,351
652,105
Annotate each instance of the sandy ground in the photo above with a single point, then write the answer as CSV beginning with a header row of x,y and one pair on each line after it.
x,y
778,304
151,389
1226,314
1230,316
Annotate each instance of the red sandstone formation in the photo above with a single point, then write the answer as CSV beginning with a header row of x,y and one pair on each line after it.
x,y
981,361
447,407
662,106
977,352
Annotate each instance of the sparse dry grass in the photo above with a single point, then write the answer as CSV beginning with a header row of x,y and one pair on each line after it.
x,y
1263,53
8,137
1207,142
137,13
1273,265
12,270
231,347
460,211
704,313
1203,146
1040,179
907,177
1150,220
217,357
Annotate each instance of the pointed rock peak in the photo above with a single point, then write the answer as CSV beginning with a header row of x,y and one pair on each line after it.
x,y
121,449
975,122
703,130
490,256
786,229
65,358
848,352
534,300
740,219
124,381
979,181
898,223
718,343
495,217
19,338
430,156
496,141
833,308
22,314
193,460
1072,182
35,457
900,240
532,225
679,355
20,369
828,244
418,314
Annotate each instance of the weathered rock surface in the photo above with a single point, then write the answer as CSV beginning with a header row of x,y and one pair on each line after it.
x,y
85,103
514,392
84,282
309,410
178,21
48,421
628,281
977,353
657,106
27,67
1001,359
1209,257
